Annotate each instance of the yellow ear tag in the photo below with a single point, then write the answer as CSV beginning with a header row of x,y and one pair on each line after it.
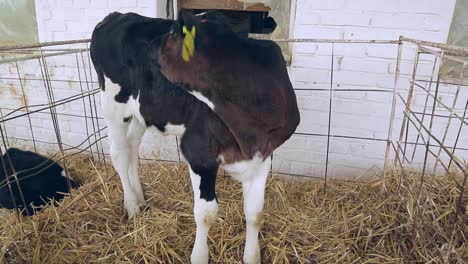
x,y
188,47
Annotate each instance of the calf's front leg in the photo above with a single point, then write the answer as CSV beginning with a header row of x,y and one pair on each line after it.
x,y
121,151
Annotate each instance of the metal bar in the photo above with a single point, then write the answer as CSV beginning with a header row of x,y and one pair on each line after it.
x,y
41,141
32,50
73,97
339,136
43,44
7,178
90,104
31,57
438,54
438,145
458,136
154,159
435,139
448,83
177,145
45,108
70,115
455,159
436,115
307,176
404,123
364,138
4,128
442,104
313,40
392,115
410,104
31,79
84,102
406,140
431,152
344,90
15,176
57,43
420,42
457,213
95,108
436,45
329,116
53,113
69,147
425,105
397,158
300,134
417,216
25,104
450,118
401,149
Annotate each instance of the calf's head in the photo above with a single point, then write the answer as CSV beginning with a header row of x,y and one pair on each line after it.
x,y
193,43
205,29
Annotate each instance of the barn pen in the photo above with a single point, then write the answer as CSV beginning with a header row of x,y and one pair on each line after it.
x,y
412,208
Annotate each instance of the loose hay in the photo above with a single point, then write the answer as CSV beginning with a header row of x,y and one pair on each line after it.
x,y
351,223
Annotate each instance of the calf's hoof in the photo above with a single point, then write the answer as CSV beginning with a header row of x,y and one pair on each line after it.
x,y
133,208
252,256
197,258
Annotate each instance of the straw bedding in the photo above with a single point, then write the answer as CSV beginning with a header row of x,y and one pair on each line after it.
x,y
350,223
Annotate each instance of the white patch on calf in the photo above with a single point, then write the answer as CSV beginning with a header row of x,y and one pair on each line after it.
x,y
201,14
171,129
202,98
116,111
112,110
220,159
62,173
244,170
134,109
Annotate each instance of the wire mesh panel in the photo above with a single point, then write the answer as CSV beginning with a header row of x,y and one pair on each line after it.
x,y
432,121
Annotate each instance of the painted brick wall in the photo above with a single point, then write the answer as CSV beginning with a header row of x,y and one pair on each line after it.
x,y
356,67
76,19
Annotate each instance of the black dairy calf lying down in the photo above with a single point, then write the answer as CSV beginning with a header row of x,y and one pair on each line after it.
x,y
43,181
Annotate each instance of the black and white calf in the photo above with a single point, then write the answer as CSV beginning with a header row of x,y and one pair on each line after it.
x,y
135,96
40,180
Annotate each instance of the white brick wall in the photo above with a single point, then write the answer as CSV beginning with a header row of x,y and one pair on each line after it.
x,y
356,66
75,19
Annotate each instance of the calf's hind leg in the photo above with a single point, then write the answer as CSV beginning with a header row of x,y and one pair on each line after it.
x,y
253,187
